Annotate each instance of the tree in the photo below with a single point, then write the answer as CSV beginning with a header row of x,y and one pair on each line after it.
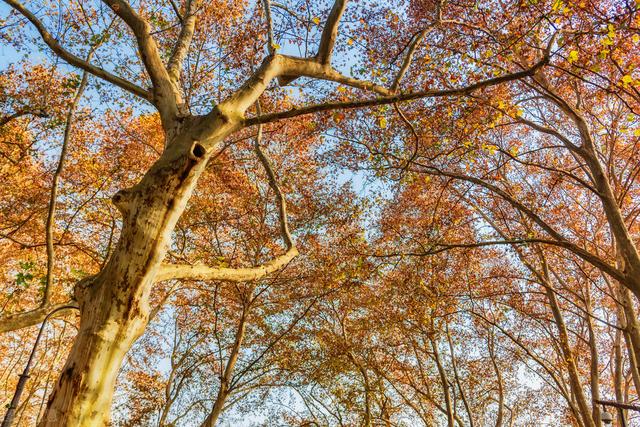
x,y
196,88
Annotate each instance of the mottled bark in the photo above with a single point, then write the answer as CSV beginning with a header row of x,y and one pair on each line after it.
x,y
114,304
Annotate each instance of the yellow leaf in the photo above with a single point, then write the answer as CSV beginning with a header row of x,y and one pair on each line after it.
x,y
627,79
492,149
276,46
636,38
636,132
350,41
382,122
573,56
316,20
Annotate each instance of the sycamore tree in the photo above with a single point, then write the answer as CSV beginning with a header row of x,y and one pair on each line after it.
x,y
206,85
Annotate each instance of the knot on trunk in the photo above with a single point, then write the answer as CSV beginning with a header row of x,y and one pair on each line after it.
x,y
122,200
81,287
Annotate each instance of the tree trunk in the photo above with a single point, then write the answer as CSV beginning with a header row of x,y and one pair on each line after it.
x,y
225,379
445,384
618,375
632,324
114,304
594,365
454,365
574,377
496,368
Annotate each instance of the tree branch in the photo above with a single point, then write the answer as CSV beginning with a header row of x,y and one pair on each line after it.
x,y
267,11
182,45
203,272
559,240
50,224
23,112
25,319
165,94
441,93
73,59
273,183
330,32
408,59
437,248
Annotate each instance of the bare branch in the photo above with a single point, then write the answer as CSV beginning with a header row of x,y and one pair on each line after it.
x,y
174,6
273,183
165,93
182,45
267,12
330,32
439,247
24,319
50,224
408,59
203,272
73,59
441,93
23,112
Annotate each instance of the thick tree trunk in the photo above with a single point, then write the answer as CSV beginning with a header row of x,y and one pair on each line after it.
x,y
82,396
114,304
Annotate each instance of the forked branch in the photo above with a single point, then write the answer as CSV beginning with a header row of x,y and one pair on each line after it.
x,y
203,272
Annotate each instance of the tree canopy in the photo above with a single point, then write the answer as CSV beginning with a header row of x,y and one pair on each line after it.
x,y
329,213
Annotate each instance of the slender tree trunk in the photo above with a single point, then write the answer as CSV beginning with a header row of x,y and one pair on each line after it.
x,y
114,304
622,324
496,368
225,380
632,324
445,384
454,364
574,377
618,376
594,365
366,422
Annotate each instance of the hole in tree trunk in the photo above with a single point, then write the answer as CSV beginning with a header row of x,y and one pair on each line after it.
x,y
198,151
